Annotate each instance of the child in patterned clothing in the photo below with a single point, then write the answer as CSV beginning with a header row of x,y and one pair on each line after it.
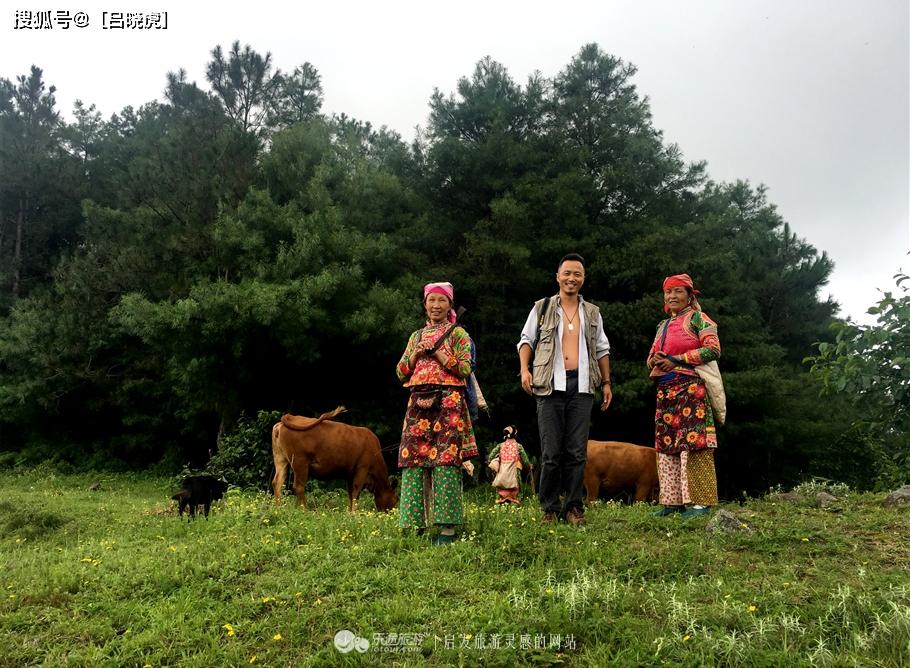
x,y
508,459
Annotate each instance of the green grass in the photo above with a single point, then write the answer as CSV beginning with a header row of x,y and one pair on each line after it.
x,y
113,578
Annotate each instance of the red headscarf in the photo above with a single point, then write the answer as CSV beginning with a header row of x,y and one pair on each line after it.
x,y
441,289
682,281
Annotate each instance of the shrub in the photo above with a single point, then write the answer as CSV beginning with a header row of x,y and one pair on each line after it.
x,y
244,457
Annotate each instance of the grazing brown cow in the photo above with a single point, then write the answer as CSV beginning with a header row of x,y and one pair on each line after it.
x,y
619,467
325,450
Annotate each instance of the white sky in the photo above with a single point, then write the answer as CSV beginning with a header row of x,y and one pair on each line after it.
x,y
809,97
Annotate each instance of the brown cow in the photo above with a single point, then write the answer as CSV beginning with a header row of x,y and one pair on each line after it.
x,y
619,467
325,450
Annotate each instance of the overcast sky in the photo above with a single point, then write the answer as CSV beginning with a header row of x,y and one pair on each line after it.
x,y
809,97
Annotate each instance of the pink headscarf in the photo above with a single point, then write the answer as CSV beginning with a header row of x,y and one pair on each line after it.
x,y
441,289
682,281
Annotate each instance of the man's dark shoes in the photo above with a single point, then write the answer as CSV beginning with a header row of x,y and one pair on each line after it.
x,y
548,518
575,518
444,539
667,510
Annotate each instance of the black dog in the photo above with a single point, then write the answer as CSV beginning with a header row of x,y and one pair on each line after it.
x,y
199,490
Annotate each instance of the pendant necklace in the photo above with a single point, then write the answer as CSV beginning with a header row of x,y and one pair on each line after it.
x,y
572,319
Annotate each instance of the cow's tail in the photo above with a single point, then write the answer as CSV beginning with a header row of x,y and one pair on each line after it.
x,y
298,423
277,452
280,460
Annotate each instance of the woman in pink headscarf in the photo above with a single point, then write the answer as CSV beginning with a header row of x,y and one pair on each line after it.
x,y
685,437
437,436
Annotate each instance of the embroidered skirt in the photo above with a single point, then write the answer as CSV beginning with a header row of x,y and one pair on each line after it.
x,y
683,419
685,438
437,429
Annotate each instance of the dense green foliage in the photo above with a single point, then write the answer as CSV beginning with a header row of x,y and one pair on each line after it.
x,y
241,458
97,570
238,251
870,366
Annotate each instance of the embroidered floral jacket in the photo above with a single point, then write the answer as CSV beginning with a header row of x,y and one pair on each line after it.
x,y
691,337
426,369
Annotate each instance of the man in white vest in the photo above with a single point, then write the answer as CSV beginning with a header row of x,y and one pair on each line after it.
x,y
565,359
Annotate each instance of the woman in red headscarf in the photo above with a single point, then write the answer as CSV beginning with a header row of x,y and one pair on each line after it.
x,y
437,436
685,437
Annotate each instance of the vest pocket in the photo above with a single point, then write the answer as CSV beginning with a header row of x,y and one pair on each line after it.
x,y
543,351
542,371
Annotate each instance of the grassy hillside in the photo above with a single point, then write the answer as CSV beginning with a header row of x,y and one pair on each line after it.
x,y
112,577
